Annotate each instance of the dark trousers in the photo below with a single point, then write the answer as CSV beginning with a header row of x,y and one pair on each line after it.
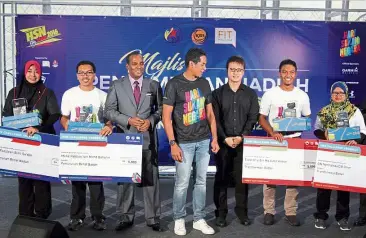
x,y
362,209
229,163
323,204
151,193
34,198
78,204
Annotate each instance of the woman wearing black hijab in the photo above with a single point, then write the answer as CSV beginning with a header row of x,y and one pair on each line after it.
x,y
34,195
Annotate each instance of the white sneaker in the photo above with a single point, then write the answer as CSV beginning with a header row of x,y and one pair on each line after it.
x,y
180,227
201,225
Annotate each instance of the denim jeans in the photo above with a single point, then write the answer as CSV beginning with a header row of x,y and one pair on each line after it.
x,y
198,152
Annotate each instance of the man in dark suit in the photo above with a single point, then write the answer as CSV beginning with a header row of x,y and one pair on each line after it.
x,y
134,104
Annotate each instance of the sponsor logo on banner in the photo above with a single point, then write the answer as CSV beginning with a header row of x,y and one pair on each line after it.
x,y
352,94
55,64
199,36
350,71
172,35
39,36
350,43
225,36
46,63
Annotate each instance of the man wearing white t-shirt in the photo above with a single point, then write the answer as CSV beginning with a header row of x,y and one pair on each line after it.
x,y
293,102
85,103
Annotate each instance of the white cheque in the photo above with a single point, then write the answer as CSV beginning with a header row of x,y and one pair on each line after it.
x,y
33,157
90,157
267,161
340,167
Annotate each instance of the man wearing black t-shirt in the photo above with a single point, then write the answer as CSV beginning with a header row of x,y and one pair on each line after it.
x,y
188,117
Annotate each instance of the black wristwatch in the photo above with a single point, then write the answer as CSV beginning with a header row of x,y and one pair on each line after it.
x,y
172,142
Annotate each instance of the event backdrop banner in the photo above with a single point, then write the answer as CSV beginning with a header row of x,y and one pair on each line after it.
x,y
324,52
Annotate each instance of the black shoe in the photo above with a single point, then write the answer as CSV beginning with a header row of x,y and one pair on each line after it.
x,y
292,220
361,221
121,225
75,224
320,224
221,221
99,225
245,221
156,227
343,225
268,219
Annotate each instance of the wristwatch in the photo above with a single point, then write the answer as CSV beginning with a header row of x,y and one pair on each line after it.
x,y
172,142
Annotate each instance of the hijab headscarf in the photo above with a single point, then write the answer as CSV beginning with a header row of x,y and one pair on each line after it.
x,y
30,91
328,114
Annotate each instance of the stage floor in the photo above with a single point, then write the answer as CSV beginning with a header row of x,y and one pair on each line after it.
x,y
61,198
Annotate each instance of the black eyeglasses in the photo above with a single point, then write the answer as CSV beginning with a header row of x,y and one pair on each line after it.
x,y
89,73
233,70
338,93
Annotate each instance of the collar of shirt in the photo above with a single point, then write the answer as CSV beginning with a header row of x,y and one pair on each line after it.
x,y
241,87
132,80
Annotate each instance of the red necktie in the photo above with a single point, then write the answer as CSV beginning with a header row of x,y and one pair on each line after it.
x,y
136,92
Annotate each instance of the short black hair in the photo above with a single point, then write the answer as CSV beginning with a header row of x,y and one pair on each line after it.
x,y
237,59
86,62
285,62
194,55
136,52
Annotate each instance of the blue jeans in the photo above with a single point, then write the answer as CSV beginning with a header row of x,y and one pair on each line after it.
x,y
200,153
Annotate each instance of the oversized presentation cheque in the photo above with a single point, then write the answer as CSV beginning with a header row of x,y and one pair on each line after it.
x,y
91,157
267,161
340,167
33,157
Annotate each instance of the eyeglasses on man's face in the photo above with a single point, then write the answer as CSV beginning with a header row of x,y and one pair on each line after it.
x,y
236,70
88,73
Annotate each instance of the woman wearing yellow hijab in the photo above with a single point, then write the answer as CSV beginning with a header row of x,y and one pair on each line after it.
x,y
339,113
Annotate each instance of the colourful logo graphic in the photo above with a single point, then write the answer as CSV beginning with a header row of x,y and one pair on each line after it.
x,y
194,107
39,36
350,44
55,64
199,36
85,114
172,35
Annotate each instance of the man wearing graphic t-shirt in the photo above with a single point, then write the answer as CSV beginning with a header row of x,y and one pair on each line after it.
x,y
288,101
85,103
188,119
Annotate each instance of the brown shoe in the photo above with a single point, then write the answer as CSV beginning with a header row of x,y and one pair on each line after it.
x,y
292,220
268,219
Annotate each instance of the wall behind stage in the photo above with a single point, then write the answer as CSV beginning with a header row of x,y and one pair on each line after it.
x,y
324,52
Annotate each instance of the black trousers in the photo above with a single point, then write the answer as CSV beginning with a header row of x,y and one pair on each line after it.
x,y
362,209
323,204
78,204
34,198
229,174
